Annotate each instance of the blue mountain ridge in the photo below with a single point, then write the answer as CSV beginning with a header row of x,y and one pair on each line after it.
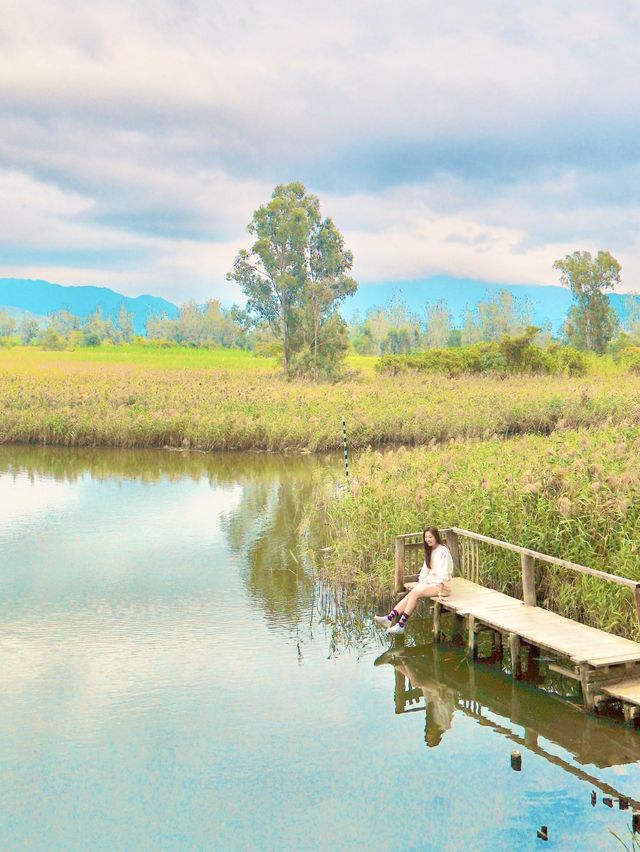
x,y
548,303
43,297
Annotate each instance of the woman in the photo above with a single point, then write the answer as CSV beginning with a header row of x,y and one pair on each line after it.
x,y
436,572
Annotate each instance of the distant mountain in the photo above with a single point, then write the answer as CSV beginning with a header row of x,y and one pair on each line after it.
x,y
549,304
18,314
42,298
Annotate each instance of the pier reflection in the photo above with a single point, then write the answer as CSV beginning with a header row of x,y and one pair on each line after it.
x,y
443,682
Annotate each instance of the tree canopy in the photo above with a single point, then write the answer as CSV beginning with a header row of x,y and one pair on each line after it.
x,y
591,322
294,277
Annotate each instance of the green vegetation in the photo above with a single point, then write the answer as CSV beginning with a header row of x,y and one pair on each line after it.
x,y
510,355
140,396
573,494
591,322
294,278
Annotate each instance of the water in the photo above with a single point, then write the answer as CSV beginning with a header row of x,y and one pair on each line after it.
x,y
172,676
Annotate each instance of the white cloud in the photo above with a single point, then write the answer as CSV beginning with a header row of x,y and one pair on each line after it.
x,y
470,139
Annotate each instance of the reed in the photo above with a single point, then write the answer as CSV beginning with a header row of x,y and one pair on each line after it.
x,y
575,495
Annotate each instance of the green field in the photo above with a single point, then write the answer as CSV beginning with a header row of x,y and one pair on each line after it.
x,y
154,357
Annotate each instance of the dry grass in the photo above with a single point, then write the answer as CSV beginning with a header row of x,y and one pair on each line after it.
x,y
88,398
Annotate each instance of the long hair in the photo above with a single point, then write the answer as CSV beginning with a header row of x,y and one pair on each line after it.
x,y
435,532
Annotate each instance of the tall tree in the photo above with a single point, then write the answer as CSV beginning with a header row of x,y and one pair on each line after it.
x,y
499,315
28,329
591,321
294,275
438,324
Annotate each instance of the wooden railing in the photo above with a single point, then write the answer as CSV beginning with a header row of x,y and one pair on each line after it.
x,y
463,545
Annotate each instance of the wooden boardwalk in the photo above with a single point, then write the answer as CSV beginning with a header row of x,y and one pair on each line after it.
x,y
607,666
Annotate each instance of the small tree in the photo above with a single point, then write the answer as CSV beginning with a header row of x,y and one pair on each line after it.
x,y
438,324
494,317
124,323
7,324
28,329
591,321
63,322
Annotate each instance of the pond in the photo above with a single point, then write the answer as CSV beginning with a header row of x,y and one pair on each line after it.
x,y
173,675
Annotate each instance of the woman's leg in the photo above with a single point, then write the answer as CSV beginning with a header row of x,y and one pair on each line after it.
x,y
411,600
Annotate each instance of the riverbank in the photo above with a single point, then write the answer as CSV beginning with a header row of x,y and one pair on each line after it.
x,y
216,400
574,494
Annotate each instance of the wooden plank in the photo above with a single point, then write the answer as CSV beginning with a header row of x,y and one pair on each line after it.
x,y
561,670
538,626
626,690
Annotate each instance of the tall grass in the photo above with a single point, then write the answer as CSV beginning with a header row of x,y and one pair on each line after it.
x,y
221,400
575,495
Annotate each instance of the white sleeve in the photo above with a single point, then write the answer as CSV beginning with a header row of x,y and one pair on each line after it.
x,y
423,573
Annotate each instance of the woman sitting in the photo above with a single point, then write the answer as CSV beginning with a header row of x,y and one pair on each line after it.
x,y
437,570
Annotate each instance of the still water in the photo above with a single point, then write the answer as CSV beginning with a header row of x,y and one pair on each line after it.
x,y
173,676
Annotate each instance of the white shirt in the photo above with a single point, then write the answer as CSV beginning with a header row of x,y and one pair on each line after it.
x,y
441,567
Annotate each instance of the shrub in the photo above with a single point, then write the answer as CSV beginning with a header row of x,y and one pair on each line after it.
x,y
510,355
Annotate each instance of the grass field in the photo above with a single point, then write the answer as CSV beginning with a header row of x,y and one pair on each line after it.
x,y
23,358
222,400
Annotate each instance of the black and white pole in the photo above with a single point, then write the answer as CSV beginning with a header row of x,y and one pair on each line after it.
x,y
346,449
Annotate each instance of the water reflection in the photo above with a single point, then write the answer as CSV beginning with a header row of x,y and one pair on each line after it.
x,y
442,682
164,647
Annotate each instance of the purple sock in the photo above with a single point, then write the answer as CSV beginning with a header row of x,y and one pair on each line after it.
x,y
392,615
403,619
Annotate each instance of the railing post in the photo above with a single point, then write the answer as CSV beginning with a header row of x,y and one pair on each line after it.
x,y
454,550
399,564
528,580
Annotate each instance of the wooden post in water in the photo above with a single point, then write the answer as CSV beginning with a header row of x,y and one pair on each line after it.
x,y
436,621
587,687
528,580
514,647
472,647
399,564
399,692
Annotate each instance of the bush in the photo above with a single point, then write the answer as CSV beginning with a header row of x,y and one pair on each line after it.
x,y
510,355
630,358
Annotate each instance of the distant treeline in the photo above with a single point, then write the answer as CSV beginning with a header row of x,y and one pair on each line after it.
x,y
384,331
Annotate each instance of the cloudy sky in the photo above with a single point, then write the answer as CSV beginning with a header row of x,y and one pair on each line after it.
x,y
479,140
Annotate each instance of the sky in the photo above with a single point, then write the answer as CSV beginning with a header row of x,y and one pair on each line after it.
x,y
473,140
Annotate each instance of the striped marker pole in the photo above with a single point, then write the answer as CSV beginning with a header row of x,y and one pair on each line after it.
x,y
346,450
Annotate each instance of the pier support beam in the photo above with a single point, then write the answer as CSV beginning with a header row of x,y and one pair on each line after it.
x,y
436,620
587,688
496,643
514,648
472,645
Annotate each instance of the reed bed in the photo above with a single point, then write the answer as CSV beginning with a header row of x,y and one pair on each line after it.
x,y
575,495
73,399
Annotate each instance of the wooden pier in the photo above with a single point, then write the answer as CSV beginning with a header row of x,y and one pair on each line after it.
x,y
606,666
